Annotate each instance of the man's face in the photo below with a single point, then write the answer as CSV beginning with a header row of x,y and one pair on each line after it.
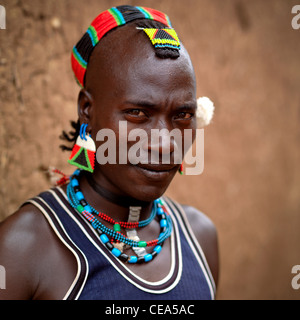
x,y
128,82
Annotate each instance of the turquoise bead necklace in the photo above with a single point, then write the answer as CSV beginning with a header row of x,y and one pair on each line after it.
x,y
78,202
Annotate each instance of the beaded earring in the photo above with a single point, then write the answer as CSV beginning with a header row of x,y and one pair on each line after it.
x,y
180,170
84,150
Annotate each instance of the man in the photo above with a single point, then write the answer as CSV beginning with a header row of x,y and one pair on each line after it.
x,y
49,248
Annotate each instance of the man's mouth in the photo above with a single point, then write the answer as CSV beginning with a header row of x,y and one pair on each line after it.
x,y
157,171
157,167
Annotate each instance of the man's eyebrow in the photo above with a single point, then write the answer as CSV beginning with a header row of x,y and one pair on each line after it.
x,y
188,106
141,103
147,104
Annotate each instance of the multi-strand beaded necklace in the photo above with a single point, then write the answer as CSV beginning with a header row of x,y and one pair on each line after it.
x,y
110,236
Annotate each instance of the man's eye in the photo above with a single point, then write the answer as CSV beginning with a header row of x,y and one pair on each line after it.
x,y
184,115
136,113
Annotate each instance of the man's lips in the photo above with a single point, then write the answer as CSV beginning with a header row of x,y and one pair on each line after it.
x,y
159,172
157,167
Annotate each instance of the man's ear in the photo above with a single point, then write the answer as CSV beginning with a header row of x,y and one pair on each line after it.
x,y
85,106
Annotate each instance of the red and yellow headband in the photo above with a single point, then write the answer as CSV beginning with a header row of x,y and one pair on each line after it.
x,y
103,23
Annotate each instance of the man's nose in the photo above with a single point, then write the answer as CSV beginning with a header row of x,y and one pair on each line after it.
x,y
161,142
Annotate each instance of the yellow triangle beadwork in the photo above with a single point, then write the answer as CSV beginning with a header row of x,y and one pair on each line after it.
x,y
163,37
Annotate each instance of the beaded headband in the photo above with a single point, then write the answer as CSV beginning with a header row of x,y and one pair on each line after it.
x,y
163,38
104,22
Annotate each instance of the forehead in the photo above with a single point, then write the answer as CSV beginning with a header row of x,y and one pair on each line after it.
x,y
124,62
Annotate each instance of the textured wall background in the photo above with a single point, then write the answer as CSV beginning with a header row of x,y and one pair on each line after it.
x,y
246,57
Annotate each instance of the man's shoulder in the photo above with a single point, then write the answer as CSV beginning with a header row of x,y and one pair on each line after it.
x,y
20,240
39,265
206,233
26,224
201,224
23,234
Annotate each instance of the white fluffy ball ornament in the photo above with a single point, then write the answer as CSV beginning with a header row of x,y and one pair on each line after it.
x,y
205,111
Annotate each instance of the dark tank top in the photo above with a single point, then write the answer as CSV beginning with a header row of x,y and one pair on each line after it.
x,y
101,276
